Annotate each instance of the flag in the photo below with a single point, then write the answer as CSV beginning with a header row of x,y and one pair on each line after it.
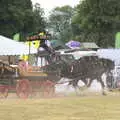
x,y
16,37
34,44
117,40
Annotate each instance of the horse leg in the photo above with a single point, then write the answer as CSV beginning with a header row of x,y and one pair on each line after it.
x,y
89,82
75,85
80,88
102,85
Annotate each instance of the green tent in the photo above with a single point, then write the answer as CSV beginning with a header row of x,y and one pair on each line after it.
x,y
58,44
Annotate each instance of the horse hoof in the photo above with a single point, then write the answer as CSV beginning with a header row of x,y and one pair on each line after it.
x,y
110,90
104,94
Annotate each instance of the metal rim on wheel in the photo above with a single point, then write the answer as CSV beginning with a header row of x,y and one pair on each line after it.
x,y
23,89
49,88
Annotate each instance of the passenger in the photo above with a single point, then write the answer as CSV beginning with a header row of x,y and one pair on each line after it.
x,y
22,65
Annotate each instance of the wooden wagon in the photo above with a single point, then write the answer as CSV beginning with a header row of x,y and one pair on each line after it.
x,y
26,83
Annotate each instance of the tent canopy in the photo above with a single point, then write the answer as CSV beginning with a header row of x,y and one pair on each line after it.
x,y
73,44
11,47
89,45
112,54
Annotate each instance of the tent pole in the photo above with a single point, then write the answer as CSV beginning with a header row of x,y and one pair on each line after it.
x,y
9,60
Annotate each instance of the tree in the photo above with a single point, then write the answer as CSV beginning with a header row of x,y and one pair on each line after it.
x,y
39,20
18,16
99,20
60,22
12,15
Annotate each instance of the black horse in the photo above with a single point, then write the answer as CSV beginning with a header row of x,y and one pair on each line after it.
x,y
91,67
87,67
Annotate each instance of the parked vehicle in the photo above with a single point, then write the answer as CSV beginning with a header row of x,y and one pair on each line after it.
x,y
77,53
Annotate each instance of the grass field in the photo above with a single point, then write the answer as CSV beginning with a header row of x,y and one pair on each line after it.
x,y
64,108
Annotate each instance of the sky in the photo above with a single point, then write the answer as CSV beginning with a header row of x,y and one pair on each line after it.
x,y
48,5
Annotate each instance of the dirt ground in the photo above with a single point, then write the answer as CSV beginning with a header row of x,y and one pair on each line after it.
x,y
62,107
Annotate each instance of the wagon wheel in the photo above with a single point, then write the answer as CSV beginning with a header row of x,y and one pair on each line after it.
x,y
3,91
49,88
42,87
52,90
23,88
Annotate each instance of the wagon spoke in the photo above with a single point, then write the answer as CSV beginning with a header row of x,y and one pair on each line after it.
x,y
23,89
4,91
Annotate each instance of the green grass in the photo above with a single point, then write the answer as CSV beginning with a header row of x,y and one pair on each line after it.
x,y
68,108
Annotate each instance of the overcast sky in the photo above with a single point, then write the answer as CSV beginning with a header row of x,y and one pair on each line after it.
x,y
50,4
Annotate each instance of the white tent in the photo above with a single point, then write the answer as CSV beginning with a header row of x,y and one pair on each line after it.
x,y
112,54
11,47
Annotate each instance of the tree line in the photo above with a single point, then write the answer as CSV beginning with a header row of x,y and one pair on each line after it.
x,y
89,21
20,16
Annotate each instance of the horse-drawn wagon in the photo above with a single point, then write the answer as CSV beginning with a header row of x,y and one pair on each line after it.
x,y
27,81
24,82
